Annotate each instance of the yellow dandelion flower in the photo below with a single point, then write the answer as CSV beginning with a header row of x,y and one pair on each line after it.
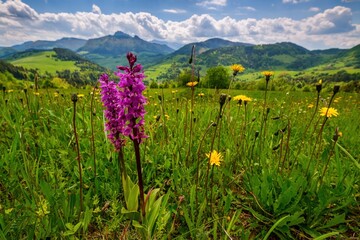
x,y
201,94
215,158
191,84
267,73
56,94
36,93
80,95
167,117
9,91
340,134
329,112
310,105
320,81
173,92
237,68
242,98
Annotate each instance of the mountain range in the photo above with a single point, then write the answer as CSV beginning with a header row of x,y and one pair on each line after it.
x,y
109,51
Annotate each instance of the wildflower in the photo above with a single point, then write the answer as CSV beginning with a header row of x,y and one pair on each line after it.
x,y
111,100
56,94
237,68
267,75
80,95
329,112
9,91
201,94
191,84
310,105
36,93
215,158
167,117
242,98
132,99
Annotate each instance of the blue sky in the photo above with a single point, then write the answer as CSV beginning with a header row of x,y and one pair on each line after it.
x,y
314,24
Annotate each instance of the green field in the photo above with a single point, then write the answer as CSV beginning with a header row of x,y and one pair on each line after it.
x,y
285,171
45,62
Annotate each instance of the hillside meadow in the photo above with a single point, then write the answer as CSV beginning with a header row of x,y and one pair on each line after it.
x,y
256,165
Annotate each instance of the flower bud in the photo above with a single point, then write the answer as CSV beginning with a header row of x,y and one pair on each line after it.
x,y
74,97
336,89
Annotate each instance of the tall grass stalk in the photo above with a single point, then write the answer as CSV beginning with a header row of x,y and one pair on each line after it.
x,y
74,99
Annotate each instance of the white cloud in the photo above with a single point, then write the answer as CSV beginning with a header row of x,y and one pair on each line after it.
x,y
96,9
335,20
175,11
294,1
330,28
248,8
314,9
212,3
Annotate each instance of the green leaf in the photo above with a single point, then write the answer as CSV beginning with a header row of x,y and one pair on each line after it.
x,y
274,226
326,235
338,219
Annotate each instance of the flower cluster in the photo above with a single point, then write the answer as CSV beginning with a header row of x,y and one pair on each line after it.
x,y
124,103
110,96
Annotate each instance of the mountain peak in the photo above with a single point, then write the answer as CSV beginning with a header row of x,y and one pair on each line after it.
x,y
120,34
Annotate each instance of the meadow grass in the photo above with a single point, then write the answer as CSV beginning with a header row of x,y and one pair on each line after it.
x,y
293,181
45,62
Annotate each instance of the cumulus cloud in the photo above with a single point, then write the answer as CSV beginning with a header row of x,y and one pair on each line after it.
x,y
330,28
335,20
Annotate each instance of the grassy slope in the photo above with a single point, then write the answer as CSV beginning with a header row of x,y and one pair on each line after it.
x,y
45,62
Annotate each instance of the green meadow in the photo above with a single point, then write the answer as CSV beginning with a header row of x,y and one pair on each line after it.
x,y
270,166
45,62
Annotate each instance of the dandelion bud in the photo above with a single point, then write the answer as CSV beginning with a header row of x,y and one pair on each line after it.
x,y
177,111
160,98
318,87
74,97
157,118
194,120
257,134
336,89
337,134
245,103
21,100
222,100
6,101
240,102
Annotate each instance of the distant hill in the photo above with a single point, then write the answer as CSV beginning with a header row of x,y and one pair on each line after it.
x,y
6,51
111,50
68,43
58,62
201,47
278,56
